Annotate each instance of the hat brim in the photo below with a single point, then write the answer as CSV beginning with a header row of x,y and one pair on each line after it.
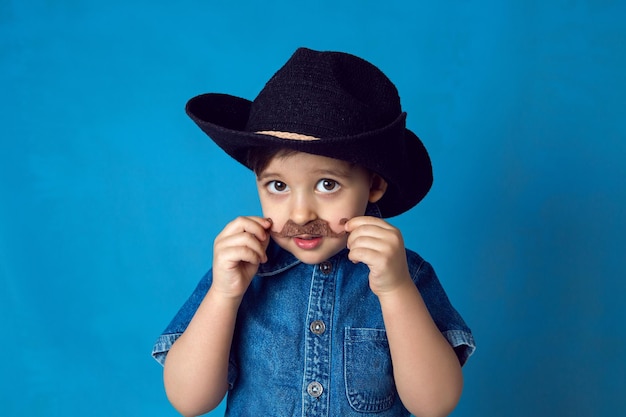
x,y
408,172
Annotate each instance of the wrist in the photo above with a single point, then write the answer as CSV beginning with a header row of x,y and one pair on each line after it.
x,y
397,293
223,300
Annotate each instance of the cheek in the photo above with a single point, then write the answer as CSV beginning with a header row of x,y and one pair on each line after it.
x,y
355,209
279,218
337,223
338,217
270,209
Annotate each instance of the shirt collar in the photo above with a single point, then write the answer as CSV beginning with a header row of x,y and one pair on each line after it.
x,y
278,260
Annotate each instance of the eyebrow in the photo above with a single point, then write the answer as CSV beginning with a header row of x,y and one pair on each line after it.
x,y
322,172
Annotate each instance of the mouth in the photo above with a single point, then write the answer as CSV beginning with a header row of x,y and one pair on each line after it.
x,y
307,242
306,236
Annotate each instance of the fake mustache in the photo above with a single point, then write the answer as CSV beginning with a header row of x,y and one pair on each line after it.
x,y
318,227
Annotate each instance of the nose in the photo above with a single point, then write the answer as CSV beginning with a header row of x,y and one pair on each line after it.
x,y
303,209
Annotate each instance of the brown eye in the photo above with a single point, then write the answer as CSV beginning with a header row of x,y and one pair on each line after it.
x,y
277,187
327,186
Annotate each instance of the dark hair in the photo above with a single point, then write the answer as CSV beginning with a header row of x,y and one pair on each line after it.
x,y
259,158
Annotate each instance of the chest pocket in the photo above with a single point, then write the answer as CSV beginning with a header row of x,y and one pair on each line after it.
x,y
370,387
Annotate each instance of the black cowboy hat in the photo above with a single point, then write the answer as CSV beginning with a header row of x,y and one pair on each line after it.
x,y
347,104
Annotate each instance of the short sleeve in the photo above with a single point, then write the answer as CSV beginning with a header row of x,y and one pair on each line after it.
x,y
448,320
181,320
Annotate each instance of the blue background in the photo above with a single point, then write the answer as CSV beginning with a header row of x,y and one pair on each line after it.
x,y
111,197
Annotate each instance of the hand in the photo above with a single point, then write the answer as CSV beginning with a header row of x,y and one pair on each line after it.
x,y
237,253
380,246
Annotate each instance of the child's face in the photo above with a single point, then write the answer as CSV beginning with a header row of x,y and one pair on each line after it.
x,y
300,188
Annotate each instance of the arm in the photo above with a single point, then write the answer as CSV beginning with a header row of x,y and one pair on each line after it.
x,y
196,368
426,369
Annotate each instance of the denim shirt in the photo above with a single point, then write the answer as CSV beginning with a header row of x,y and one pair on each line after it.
x,y
310,339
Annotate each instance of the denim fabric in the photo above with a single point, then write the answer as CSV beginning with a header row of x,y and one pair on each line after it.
x,y
310,339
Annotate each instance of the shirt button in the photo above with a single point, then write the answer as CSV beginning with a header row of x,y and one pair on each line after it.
x,y
315,389
326,267
318,327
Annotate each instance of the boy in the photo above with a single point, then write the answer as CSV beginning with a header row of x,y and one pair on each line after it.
x,y
316,308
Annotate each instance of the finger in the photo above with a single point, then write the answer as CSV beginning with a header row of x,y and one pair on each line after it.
x,y
361,221
373,233
364,255
230,257
250,224
256,226
242,239
368,241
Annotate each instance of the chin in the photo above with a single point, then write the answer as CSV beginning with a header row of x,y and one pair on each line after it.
x,y
314,257
311,260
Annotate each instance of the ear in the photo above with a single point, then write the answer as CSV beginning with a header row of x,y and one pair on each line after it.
x,y
377,188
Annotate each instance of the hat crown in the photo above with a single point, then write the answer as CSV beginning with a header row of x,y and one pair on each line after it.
x,y
325,94
342,100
